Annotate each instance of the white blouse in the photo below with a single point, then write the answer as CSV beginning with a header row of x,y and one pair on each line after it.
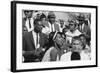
x,y
67,56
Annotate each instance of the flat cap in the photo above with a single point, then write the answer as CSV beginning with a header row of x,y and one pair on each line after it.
x,y
51,14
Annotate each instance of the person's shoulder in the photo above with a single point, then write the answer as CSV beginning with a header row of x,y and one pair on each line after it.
x,y
68,32
56,23
46,24
43,34
27,33
66,56
78,32
53,50
84,56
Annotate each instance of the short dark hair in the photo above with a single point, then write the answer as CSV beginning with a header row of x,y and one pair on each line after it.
x,y
76,37
28,11
51,14
42,16
62,34
82,35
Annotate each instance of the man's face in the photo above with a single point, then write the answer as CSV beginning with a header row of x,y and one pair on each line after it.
x,y
81,21
52,19
65,30
61,23
77,45
83,39
43,19
38,26
28,14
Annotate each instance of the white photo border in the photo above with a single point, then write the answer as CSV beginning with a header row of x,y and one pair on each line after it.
x,y
51,7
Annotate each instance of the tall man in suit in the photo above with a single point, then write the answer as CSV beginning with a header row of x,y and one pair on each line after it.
x,y
28,20
62,25
84,26
51,25
34,43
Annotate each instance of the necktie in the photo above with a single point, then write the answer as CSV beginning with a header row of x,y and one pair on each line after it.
x,y
81,28
29,23
37,40
75,56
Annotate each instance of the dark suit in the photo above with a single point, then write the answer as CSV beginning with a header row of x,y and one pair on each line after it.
x,y
29,47
86,29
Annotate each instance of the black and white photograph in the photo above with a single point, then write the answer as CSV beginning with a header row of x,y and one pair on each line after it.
x,y
54,36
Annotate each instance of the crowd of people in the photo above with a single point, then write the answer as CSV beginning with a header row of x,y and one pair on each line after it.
x,y
46,39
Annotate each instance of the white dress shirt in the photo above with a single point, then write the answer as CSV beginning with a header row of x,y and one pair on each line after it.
x,y
51,27
47,30
61,28
27,24
35,39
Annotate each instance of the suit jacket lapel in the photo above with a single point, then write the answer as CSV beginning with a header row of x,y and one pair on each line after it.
x,y
84,28
40,38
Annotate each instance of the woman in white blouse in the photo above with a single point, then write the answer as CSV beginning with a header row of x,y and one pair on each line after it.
x,y
77,52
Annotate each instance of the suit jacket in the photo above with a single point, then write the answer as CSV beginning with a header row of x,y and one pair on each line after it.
x,y
28,41
25,24
29,46
56,26
86,30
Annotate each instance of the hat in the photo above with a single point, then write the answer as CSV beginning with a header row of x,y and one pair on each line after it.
x,y
51,15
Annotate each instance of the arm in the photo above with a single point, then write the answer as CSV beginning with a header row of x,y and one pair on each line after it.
x,y
53,55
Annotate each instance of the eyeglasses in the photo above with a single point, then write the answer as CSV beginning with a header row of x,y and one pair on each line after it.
x,y
76,43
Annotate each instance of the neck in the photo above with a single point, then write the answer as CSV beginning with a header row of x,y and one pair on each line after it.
x,y
57,46
28,17
77,51
72,31
51,22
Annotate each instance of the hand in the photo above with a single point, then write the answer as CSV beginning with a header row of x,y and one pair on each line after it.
x,y
38,51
